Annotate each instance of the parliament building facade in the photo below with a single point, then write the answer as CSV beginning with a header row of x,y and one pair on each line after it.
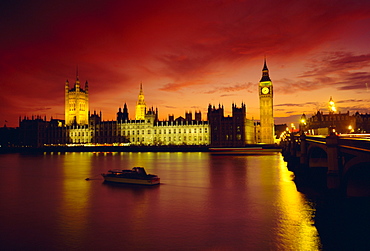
x,y
80,127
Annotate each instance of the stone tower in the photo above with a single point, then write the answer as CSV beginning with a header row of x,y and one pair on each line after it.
x,y
266,107
76,104
140,105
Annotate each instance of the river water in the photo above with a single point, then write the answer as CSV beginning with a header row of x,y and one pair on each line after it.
x,y
204,202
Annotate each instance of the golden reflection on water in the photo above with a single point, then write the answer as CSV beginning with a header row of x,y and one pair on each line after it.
x,y
295,225
209,191
75,196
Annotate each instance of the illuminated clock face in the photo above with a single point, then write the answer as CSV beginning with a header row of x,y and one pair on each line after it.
x,y
265,90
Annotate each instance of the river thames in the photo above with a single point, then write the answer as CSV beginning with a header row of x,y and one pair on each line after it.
x,y
204,202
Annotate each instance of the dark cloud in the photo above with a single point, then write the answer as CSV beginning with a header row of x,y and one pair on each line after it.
x,y
117,44
289,86
342,70
352,101
298,105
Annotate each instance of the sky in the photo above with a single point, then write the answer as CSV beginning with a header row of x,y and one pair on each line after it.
x,y
187,55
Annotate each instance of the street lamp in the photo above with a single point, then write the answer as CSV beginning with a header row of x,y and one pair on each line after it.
x,y
350,129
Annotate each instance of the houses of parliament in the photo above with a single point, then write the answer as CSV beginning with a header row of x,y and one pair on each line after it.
x,y
81,127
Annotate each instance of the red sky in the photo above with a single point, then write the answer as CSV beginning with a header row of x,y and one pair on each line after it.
x,y
187,54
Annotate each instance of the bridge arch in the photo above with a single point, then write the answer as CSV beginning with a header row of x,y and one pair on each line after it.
x,y
317,156
356,178
317,166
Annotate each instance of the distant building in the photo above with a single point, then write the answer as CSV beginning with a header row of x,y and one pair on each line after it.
x,y
324,124
362,123
9,137
37,131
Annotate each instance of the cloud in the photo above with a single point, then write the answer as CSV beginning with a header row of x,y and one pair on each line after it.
x,y
343,70
249,87
352,101
184,44
289,86
175,87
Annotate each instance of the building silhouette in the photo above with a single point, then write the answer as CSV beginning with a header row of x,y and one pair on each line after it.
x,y
230,131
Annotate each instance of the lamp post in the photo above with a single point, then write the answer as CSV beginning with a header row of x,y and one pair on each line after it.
x,y
302,124
350,129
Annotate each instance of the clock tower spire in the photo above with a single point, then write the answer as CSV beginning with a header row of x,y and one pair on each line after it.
x,y
265,73
266,107
140,105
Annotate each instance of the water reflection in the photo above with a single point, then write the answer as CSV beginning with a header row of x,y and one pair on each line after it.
x,y
204,202
75,195
296,216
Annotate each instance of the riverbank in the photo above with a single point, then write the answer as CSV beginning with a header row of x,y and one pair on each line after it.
x,y
125,149
106,149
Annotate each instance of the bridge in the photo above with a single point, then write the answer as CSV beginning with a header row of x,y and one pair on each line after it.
x,y
337,162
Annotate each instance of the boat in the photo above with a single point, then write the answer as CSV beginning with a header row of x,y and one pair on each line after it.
x,y
136,176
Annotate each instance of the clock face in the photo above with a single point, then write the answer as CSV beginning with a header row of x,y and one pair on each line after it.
x,y
265,90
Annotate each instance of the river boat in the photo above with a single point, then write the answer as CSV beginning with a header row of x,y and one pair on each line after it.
x,y
136,176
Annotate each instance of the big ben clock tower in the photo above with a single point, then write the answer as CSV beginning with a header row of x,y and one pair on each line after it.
x,y
266,107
